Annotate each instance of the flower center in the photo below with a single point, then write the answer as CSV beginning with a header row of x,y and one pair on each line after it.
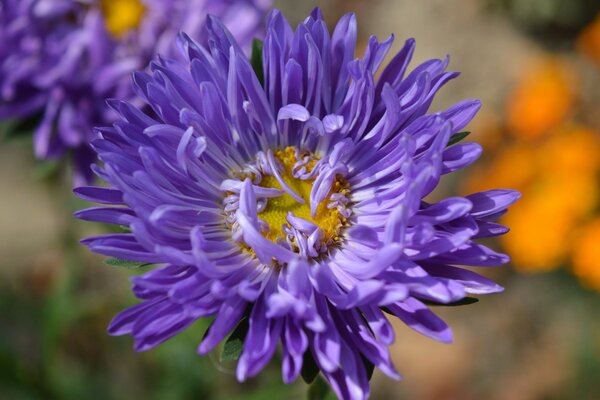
x,y
290,212
121,16
329,220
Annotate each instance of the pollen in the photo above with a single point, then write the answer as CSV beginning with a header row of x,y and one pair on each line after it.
x,y
122,16
328,219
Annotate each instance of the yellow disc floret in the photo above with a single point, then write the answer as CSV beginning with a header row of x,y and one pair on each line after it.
x,y
328,219
121,16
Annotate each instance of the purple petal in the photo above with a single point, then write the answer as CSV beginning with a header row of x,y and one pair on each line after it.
x,y
492,201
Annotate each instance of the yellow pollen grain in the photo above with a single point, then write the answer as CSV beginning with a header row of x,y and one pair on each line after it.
x,y
329,220
121,16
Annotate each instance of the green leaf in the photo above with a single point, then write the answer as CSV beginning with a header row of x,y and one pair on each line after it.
x,y
457,137
117,228
310,370
369,367
256,60
117,262
235,342
462,302
320,390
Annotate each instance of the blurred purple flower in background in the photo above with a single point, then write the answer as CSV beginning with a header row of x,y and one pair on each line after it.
x,y
60,59
288,200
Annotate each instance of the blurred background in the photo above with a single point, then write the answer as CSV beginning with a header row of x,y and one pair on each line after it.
x,y
536,66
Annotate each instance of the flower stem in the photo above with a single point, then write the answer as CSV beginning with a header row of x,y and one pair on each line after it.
x,y
320,390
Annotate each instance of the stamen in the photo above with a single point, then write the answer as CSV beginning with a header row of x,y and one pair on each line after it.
x,y
288,215
280,180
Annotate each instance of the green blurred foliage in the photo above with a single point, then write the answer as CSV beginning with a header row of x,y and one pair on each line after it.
x,y
554,22
56,346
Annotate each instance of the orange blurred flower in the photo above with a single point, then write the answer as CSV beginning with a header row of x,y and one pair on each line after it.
x,y
586,255
588,41
541,100
554,162
543,222
512,167
537,238
558,179
571,149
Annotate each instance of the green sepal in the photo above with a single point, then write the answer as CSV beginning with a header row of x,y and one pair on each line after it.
x,y
256,60
457,137
235,342
310,370
369,367
117,262
112,228
461,302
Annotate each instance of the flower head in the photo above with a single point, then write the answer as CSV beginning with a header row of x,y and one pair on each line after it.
x,y
60,60
293,205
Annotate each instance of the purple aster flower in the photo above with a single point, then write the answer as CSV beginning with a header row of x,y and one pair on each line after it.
x,y
293,207
60,59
